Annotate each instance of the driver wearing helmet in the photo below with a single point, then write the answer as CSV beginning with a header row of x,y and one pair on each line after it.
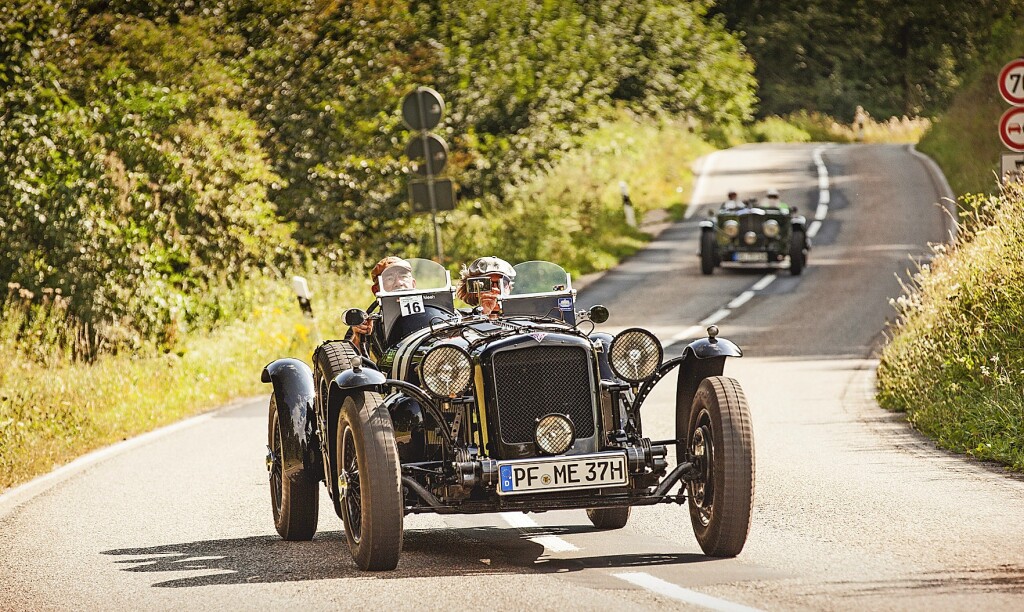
x,y
501,275
775,202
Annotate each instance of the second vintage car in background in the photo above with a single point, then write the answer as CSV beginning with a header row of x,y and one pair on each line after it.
x,y
755,234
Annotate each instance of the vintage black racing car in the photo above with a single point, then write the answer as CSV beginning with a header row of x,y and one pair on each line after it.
x,y
757,234
457,412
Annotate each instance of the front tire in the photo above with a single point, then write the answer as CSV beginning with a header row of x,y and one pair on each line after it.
x,y
707,252
294,498
608,518
797,252
370,483
720,440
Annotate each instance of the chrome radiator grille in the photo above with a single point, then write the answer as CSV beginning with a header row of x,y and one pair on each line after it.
x,y
532,382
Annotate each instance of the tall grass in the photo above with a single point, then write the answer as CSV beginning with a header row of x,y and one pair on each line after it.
x,y
955,363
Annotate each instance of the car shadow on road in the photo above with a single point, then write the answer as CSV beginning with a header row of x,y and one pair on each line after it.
x,y
425,553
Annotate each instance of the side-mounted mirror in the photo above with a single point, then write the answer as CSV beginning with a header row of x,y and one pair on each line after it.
x,y
355,316
598,313
478,284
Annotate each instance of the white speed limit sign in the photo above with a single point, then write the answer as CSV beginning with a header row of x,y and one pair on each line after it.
x,y
1011,82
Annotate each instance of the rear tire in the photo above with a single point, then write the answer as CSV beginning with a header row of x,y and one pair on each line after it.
x,y
707,252
294,498
797,252
720,439
370,478
608,518
329,360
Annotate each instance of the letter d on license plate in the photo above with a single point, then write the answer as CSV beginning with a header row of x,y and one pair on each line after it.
x,y
549,474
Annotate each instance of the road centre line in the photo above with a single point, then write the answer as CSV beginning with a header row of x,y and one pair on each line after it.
x,y
812,229
764,282
549,542
674,591
716,316
740,299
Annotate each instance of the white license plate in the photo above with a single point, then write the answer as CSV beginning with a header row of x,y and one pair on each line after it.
x,y
548,474
752,257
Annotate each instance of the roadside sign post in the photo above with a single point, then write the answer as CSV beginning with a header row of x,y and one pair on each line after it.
x,y
422,110
1011,124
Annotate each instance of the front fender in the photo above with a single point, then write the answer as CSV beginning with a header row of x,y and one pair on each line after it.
x,y
798,221
701,358
295,393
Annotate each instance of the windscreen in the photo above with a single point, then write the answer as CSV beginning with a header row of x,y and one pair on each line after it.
x,y
540,277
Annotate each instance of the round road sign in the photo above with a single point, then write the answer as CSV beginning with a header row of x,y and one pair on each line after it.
x,y
432,147
422,109
1011,82
1011,129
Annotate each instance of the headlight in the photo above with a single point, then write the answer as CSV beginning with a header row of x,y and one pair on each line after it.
x,y
445,370
771,228
554,434
750,238
731,228
635,355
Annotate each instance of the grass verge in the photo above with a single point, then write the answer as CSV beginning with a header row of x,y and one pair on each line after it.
x,y
956,359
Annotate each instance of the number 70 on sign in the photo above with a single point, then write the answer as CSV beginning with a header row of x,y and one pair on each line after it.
x,y
1011,82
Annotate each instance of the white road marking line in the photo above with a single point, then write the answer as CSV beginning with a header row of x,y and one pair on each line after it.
x,y
764,282
698,188
13,498
692,331
740,299
716,316
812,231
549,542
822,212
674,591
824,197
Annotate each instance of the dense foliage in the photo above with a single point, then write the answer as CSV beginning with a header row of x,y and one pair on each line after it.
x,y
893,57
153,155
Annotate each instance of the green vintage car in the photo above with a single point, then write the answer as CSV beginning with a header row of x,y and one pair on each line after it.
x,y
756,234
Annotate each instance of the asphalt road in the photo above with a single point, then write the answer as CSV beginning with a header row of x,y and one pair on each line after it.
x,y
852,510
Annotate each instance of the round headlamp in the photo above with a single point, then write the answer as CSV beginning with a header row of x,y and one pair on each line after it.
x,y
554,434
446,370
750,238
635,355
771,228
731,228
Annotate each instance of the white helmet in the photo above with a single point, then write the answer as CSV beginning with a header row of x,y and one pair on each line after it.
x,y
491,265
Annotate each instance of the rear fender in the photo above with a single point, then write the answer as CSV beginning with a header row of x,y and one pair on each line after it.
x,y
294,393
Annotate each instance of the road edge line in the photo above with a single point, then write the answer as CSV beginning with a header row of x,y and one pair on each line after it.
x,y
15,497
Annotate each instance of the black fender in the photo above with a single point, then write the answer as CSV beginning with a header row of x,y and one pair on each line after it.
x,y
409,422
295,393
706,225
701,358
798,222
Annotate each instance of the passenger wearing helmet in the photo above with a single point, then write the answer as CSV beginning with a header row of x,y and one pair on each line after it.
x,y
775,202
389,274
501,275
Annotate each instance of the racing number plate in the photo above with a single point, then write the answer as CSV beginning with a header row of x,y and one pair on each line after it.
x,y
752,257
549,474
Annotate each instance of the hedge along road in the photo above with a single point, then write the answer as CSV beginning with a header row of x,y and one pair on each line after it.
x,y
852,510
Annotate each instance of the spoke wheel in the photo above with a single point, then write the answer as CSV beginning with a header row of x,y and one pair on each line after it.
x,y
369,482
348,485
720,442
294,498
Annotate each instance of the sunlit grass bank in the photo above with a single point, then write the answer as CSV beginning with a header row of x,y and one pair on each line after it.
x,y
956,362
54,408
